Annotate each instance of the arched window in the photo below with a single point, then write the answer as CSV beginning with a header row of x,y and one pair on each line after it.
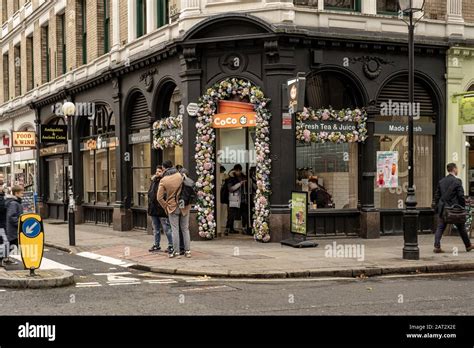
x,y
391,131
98,144
334,164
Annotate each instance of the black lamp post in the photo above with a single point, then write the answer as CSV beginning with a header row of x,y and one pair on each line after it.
x,y
69,110
410,216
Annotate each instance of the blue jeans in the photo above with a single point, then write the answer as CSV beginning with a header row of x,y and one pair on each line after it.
x,y
164,222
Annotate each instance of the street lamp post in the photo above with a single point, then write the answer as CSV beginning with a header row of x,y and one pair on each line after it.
x,y
410,216
69,110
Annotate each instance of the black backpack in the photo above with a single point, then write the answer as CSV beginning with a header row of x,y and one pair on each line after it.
x,y
188,193
225,192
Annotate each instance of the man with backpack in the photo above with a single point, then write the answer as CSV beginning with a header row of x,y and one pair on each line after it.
x,y
158,215
176,194
14,208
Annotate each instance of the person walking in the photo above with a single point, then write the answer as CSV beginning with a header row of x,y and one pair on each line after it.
x,y
448,193
169,191
158,215
14,210
234,183
4,246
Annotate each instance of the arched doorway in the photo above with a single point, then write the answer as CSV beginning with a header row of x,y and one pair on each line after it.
x,y
98,148
391,135
250,119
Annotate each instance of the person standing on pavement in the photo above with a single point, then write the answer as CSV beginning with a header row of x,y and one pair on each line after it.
x,y
158,215
234,183
450,192
168,196
14,210
3,224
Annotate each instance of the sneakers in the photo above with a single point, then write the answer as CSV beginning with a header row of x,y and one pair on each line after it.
x,y
438,250
9,261
154,248
469,248
187,254
174,255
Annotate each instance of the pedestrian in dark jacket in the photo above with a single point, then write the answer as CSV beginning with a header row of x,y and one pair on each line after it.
x,y
158,214
3,224
14,210
450,192
234,183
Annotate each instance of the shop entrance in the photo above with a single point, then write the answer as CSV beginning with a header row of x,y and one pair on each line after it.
x,y
236,146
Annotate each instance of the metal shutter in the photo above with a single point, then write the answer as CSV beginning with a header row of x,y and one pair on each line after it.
x,y
139,115
396,90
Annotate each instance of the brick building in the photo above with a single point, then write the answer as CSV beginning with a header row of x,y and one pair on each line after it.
x,y
128,63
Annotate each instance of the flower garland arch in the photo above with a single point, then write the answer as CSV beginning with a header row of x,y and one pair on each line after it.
x,y
356,116
205,155
167,132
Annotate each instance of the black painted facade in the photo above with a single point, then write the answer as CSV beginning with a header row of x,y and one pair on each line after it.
x,y
268,57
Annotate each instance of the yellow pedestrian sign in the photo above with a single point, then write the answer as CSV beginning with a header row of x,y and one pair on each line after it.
x,y
31,238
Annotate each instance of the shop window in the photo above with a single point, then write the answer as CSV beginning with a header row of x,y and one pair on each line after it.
x,y
25,174
56,181
349,5
394,198
99,164
141,173
387,6
335,166
391,132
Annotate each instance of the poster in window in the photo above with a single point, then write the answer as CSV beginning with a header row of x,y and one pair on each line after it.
x,y
387,169
299,212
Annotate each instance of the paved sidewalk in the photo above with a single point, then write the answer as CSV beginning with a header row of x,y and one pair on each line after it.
x,y
242,257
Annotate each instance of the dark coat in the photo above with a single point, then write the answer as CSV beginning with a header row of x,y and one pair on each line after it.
x,y
154,208
456,195
3,211
14,210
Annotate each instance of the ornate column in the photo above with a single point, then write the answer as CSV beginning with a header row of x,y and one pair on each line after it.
x,y
132,20
189,8
369,7
151,15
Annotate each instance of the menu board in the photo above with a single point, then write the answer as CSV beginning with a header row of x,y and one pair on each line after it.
x,y
299,212
29,202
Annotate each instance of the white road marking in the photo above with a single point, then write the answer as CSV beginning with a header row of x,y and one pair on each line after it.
x,y
105,259
131,283
88,285
50,264
197,280
160,281
2,290
204,288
